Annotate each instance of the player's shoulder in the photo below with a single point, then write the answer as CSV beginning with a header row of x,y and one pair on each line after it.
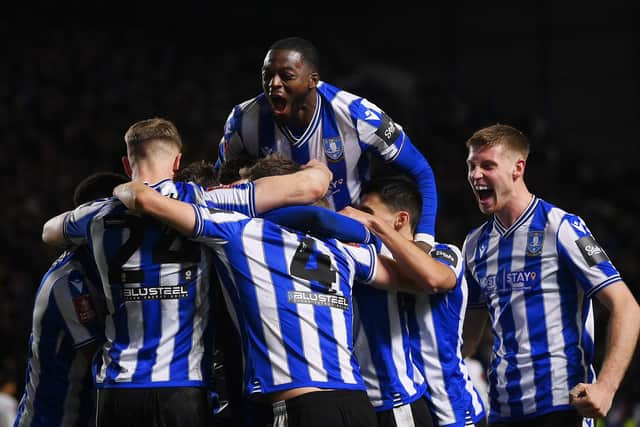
x,y
447,253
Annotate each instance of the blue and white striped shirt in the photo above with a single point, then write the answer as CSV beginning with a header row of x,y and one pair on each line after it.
x,y
344,130
58,389
383,347
289,296
435,322
157,289
537,278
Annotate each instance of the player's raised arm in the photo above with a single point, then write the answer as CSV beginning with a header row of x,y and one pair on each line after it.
x,y
300,188
424,273
142,198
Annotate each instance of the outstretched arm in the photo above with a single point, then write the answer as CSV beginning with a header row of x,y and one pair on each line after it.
x,y
413,162
594,400
300,188
140,197
428,274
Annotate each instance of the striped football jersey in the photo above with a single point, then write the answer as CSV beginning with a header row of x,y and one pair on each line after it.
x,y
289,296
157,289
58,387
383,347
436,330
537,279
344,132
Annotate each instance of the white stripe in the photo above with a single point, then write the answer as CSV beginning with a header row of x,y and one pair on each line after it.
x,y
344,347
441,404
266,299
518,306
306,318
363,354
135,323
553,313
169,325
403,416
202,288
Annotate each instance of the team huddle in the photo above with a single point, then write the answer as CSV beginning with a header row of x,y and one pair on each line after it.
x,y
321,281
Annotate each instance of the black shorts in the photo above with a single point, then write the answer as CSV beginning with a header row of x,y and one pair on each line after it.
x,y
164,406
325,408
414,414
566,418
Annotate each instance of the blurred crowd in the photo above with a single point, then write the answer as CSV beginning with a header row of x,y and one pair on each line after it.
x,y
68,95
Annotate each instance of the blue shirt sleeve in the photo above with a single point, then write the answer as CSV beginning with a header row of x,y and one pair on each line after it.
x,y
322,222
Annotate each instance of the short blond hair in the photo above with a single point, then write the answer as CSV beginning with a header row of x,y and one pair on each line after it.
x,y
142,133
499,134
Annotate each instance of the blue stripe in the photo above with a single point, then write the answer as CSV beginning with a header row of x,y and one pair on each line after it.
x,y
374,315
341,198
112,241
266,131
536,320
288,313
249,306
506,320
151,309
49,395
300,153
179,367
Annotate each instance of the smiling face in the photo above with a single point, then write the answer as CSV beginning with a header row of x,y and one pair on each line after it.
x,y
288,83
494,173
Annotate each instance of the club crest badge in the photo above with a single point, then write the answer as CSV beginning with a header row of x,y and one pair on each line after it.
x,y
333,149
534,243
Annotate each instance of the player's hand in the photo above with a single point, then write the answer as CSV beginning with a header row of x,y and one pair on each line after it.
x,y
362,217
318,165
128,193
591,400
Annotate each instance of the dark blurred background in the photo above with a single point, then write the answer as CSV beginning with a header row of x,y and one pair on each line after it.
x,y
568,75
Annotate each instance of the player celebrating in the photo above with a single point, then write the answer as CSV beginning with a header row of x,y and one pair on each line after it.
x,y
305,118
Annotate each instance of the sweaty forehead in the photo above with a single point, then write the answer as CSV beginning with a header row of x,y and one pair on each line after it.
x,y
279,58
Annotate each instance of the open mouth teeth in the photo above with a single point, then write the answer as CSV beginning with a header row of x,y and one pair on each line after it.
x,y
278,103
483,191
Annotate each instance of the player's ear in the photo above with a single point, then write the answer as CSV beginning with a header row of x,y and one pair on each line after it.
x,y
518,168
402,219
314,77
176,162
127,166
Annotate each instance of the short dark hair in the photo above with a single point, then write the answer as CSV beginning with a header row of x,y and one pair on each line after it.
x,y
308,51
200,171
398,193
272,165
229,170
97,186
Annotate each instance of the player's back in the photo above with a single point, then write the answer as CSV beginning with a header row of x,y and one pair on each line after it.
x,y
58,381
157,292
290,296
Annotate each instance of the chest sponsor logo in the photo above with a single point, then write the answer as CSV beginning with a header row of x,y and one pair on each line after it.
x,y
155,293
333,149
334,301
508,281
591,250
535,239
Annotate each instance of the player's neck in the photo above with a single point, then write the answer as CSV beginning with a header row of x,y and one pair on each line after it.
x,y
152,173
512,210
304,113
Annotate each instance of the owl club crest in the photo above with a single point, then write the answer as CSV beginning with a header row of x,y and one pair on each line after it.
x,y
333,149
534,243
